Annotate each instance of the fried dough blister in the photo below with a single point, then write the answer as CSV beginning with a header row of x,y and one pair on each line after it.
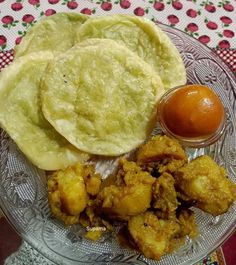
x,y
84,89
108,107
55,33
22,117
142,37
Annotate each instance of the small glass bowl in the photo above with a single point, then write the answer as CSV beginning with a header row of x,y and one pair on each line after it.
x,y
195,142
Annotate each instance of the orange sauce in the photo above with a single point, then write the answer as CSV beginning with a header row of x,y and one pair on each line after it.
x,y
193,111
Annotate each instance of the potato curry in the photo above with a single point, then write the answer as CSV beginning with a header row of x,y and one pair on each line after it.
x,y
151,195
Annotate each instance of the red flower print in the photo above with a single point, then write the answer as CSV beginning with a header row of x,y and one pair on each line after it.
x,y
33,2
204,39
28,18
106,6
211,25
228,33
125,4
159,6
192,27
226,20
8,22
18,40
228,7
224,44
53,2
16,6
87,11
3,40
1,1
139,11
7,19
173,20
210,8
177,5
72,5
50,12
191,13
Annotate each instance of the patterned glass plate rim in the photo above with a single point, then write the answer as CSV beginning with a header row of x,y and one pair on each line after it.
x,y
23,197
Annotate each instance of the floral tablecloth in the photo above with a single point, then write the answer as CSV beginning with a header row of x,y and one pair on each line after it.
x,y
211,22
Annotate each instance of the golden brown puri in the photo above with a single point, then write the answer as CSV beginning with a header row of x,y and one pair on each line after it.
x,y
142,37
69,189
125,86
206,183
20,86
163,153
130,195
52,33
164,197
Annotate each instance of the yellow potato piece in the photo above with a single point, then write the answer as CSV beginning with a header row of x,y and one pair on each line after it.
x,y
207,184
143,37
56,33
101,97
22,118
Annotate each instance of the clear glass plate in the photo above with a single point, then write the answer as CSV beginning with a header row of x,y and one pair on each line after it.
x,y
23,195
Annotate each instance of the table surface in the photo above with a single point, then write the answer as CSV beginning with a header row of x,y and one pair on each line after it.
x,y
211,22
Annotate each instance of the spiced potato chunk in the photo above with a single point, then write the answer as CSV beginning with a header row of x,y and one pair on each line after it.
x,y
152,235
69,191
206,183
161,153
130,195
164,197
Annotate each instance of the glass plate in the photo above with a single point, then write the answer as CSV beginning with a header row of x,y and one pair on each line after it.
x,y
23,196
